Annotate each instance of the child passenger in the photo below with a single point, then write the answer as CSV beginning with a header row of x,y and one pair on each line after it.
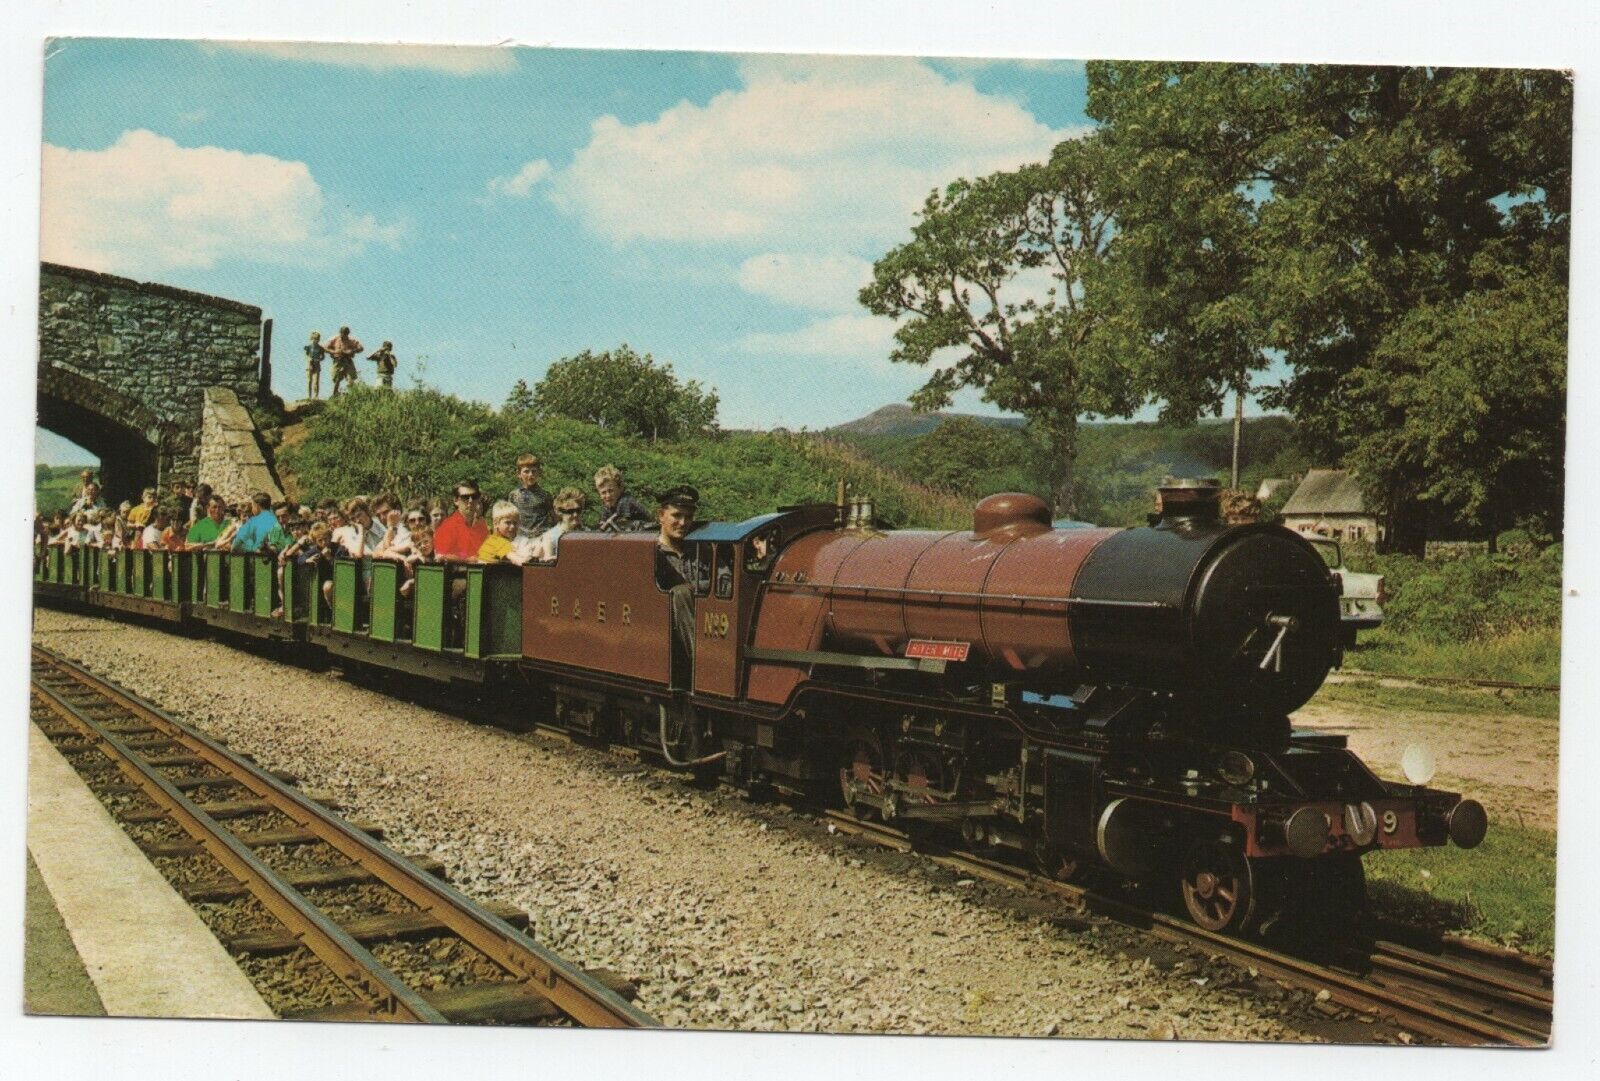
x,y
500,545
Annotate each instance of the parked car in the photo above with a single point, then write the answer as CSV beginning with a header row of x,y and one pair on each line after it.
x,y
1361,596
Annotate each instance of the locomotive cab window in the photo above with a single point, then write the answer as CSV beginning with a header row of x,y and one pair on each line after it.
x,y
699,568
759,552
724,574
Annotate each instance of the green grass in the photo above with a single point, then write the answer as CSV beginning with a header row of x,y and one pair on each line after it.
x,y
1522,656
53,487
1503,891
1357,692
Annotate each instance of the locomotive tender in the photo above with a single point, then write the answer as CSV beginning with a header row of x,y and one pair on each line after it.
x,y
1094,698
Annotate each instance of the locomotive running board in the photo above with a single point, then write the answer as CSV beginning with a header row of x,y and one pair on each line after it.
x,y
845,660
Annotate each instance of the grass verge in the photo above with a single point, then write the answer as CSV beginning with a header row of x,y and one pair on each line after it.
x,y
1373,695
1503,891
1524,656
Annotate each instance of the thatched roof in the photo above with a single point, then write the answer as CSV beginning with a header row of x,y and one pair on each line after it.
x,y
1327,491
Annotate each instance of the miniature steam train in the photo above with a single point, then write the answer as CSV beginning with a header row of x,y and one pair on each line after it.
x,y
1093,698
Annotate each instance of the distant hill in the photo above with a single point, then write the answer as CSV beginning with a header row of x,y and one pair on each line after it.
x,y
901,419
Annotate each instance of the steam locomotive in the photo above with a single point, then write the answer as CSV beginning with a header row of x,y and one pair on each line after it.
x,y
1093,699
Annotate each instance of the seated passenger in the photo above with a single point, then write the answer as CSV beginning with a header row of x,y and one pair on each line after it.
x,y
252,535
396,540
569,518
287,528
140,515
421,552
70,535
619,511
459,536
318,553
500,545
152,536
352,536
382,504
209,527
200,503
89,502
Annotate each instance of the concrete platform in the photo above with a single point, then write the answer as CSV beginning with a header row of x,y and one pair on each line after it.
x,y
144,949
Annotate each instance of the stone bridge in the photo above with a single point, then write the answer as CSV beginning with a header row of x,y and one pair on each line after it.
x,y
124,368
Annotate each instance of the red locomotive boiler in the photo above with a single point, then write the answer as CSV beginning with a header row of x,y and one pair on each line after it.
x,y
1092,697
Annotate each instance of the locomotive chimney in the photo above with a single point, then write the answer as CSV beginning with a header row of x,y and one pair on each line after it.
x,y
1187,499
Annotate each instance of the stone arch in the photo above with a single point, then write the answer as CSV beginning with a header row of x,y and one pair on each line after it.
x,y
136,447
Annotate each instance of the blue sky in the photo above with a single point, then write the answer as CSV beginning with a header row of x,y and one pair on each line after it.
x,y
493,210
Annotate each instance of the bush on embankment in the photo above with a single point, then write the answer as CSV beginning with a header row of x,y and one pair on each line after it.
x,y
1468,614
418,443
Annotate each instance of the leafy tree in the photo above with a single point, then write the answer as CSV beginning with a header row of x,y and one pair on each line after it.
x,y
1463,405
520,400
999,269
621,390
1313,209
968,456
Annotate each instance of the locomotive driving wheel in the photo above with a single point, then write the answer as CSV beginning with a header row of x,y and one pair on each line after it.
x,y
1219,887
863,768
1055,862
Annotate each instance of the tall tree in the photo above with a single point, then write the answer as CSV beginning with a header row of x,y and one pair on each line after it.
x,y
993,291
520,400
1463,405
624,390
1312,210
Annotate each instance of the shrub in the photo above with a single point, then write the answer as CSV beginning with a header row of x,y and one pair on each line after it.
x,y
1469,596
418,443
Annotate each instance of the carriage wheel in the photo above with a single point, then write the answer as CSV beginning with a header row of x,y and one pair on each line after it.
x,y
1219,887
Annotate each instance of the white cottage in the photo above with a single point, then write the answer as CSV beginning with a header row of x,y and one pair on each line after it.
x,y
1329,503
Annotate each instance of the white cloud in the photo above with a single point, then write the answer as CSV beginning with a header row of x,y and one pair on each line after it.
x,y
146,204
522,184
447,59
841,337
827,282
811,154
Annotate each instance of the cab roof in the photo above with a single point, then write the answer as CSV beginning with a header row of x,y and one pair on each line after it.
x,y
732,531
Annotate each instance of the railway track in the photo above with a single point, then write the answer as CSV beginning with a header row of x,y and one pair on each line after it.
x,y
1446,989
364,933
1453,681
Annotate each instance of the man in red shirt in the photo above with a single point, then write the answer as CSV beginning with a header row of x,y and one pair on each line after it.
x,y
459,536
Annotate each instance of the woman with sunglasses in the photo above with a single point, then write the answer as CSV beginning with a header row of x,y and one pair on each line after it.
x,y
569,504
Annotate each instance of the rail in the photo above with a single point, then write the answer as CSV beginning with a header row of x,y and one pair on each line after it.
x,y
80,699
1463,995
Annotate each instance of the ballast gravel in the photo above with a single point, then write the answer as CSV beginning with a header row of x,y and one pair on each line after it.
x,y
727,915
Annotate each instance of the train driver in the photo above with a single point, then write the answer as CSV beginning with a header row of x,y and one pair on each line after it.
x,y
675,571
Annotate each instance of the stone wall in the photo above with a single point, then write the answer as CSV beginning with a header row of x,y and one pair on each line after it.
x,y
145,343
232,458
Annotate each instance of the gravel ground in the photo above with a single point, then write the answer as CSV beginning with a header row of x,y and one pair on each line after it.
x,y
728,915
293,981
